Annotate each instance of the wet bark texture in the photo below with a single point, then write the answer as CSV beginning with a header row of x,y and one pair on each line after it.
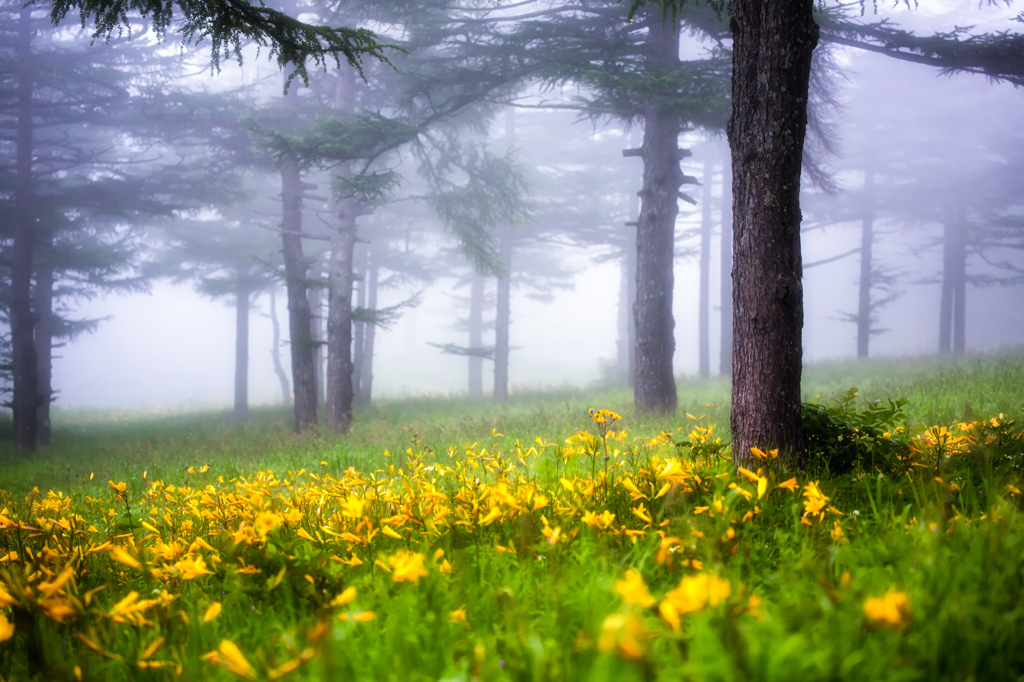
x,y
867,242
242,299
725,292
295,265
704,305
25,399
476,336
772,45
655,389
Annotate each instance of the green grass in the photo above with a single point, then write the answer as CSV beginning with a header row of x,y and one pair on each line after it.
x,y
948,534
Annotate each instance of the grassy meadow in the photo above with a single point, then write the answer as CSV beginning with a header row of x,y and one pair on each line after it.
x,y
557,537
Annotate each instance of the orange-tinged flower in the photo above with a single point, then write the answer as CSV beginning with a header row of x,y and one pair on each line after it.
x,y
228,656
6,628
346,597
633,589
892,611
790,485
407,567
693,594
266,522
624,635
212,611
118,554
192,568
361,617
119,488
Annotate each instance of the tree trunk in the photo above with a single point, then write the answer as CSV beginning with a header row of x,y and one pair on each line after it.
x,y
704,309
275,350
365,394
725,342
359,332
476,335
772,45
242,299
655,235
315,294
867,240
339,320
44,332
960,283
948,277
25,399
502,316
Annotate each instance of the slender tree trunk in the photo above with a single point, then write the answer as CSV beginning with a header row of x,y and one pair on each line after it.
x,y
25,400
275,350
44,332
960,283
773,41
725,342
655,235
339,320
373,274
242,300
359,334
503,303
948,278
316,327
704,309
867,241
627,290
476,335
503,316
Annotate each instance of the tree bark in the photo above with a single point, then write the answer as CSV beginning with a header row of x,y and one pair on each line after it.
x,y
725,292
773,41
960,283
25,399
948,277
339,320
359,329
242,299
315,294
655,389
503,316
704,307
275,350
867,241
476,335
365,394
44,332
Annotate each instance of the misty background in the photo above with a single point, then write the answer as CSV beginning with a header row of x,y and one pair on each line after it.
x,y
173,347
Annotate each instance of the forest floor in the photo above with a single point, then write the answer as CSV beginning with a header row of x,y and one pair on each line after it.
x,y
554,537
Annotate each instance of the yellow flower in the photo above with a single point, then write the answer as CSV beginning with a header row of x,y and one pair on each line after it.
x,y
892,610
407,567
228,656
693,594
633,589
119,488
458,616
212,612
6,628
266,522
118,554
814,501
192,568
361,617
624,635
345,597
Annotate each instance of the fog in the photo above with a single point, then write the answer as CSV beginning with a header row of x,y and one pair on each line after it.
x,y
923,132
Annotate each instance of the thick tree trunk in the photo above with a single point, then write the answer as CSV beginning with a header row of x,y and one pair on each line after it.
x,y
867,241
365,393
655,235
773,41
476,335
275,350
503,316
339,320
704,307
295,264
960,283
44,332
948,278
725,292
242,299
316,328
25,399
